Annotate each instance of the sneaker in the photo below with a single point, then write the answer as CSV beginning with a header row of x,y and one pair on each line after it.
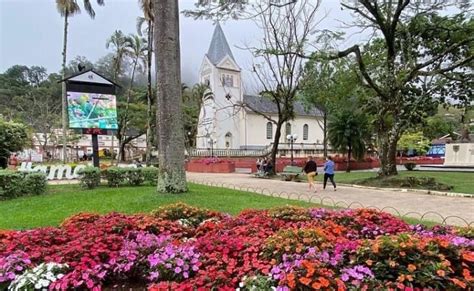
x,y
334,189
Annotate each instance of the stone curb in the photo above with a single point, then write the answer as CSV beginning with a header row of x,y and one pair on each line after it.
x,y
423,191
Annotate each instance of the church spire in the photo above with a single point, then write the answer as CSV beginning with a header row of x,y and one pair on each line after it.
x,y
219,47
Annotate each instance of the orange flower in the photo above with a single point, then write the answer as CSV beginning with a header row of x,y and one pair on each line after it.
x,y
402,254
409,277
441,273
324,282
316,285
444,243
291,280
401,278
369,262
411,268
375,248
467,274
459,283
305,281
468,256
392,264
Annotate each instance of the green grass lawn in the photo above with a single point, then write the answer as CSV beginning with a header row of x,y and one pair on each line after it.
x,y
462,182
62,201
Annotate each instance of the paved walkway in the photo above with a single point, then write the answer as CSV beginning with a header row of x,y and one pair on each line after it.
x,y
413,204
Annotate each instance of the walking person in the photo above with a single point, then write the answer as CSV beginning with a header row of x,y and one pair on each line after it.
x,y
329,172
310,168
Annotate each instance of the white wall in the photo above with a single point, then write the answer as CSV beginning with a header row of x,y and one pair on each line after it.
x,y
461,154
256,130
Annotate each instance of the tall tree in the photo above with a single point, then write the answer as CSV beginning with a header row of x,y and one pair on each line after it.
x,y
279,71
172,177
326,85
13,137
69,8
418,56
118,42
147,8
135,50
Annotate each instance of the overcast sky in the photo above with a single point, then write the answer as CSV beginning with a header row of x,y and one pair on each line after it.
x,y
31,33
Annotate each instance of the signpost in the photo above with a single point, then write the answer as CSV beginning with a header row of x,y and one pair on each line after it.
x,y
92,106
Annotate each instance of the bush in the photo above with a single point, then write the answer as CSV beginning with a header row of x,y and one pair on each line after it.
x,y
116,176
134,176
410,166
16,184
35,183
150,175
90,177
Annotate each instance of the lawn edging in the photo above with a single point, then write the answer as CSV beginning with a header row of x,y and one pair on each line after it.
x,y
423,191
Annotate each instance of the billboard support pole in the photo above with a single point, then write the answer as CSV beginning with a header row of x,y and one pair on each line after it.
x,y
95,150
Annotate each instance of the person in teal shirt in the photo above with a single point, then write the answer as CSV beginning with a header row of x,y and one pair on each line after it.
x,y
329,172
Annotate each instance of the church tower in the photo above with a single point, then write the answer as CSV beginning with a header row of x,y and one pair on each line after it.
x,y
219,119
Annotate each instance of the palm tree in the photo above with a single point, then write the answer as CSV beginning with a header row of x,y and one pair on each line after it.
x,y
135,49
118,42
171,177
147,8
348,132
69,8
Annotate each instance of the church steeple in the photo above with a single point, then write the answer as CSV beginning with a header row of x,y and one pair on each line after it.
x,y
219,47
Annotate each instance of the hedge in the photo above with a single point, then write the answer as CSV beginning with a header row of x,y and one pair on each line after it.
x,y
17,184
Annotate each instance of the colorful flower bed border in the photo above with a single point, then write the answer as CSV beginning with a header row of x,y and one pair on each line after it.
x,y
179,247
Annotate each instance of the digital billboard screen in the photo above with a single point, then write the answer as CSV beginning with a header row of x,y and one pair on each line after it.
x,y
92,110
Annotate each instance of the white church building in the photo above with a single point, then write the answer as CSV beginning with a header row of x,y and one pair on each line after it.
x,y
228,120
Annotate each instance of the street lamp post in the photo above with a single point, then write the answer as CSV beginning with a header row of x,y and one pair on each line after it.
x,y
211,141
291,139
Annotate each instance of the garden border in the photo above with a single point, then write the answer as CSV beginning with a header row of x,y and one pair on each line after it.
x,y
314,198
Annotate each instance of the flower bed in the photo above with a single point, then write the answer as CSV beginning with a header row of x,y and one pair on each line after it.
x,y
179,247
210,165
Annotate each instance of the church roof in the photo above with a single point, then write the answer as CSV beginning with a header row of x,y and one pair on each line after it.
x,y
219,47
264,105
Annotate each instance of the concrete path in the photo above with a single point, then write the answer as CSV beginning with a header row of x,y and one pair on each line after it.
x,y
454,210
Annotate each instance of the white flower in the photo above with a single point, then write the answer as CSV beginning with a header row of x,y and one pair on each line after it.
x,y
59,276
241,284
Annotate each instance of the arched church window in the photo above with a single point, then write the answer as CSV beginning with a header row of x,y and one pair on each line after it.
x,y
228,140
305,132
288,129
227,80
269,130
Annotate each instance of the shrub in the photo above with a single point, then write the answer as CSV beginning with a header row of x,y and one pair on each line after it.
x,y
16,184
134,176
150,175
10,184
35,183
410,166
90,177
116,176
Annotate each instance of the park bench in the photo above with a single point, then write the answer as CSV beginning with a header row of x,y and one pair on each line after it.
x,y
291,173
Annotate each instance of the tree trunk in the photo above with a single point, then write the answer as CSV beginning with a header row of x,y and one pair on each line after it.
x,y
349,156
325,133
122,151
148,96
276,142
388,155
172,176
125,120
64,93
